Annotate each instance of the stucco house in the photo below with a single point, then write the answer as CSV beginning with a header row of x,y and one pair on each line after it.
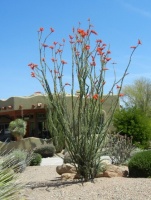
x,y
33,110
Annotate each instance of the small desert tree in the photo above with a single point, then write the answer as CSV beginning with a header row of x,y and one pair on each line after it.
x,y
138,94
84,136
18,128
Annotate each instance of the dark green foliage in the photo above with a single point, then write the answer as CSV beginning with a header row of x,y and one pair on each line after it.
x,y
36,159
140,165
56,134
119,148
45,150
133,123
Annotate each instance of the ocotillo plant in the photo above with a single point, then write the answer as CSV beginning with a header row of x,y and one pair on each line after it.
x,y
82,125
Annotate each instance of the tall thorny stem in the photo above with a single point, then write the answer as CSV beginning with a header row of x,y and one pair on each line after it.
x,y
81,119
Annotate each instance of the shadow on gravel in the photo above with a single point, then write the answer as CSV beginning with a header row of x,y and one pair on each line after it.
x,y
53,183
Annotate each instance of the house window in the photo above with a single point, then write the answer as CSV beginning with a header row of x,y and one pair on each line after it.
x,y
41,116
4,129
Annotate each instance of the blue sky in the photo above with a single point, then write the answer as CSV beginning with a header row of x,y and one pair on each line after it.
x,y
119,23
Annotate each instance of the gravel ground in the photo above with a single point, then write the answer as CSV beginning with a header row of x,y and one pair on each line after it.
x,y
102,188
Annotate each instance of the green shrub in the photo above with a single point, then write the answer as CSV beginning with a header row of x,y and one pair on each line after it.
x,y
45,150
36,159
133,123
135,151
17,158
140,165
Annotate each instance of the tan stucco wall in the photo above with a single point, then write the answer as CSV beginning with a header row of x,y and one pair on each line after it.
x,y
25,102
24,144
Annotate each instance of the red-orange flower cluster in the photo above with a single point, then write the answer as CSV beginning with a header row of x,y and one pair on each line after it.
x,y
41,29
94,32
59,51
67,84
108,52
63,62
100,50
96,96
79,41
44,45
56,72
87,47
102,100
52,30
53,59
99,41
121,95
33,74
107,59
71,37
139,42
93,63
82,33
118,87
32,65
51,47
55,43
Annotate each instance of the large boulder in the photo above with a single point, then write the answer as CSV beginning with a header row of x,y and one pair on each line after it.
x,y
114,171
66,168
69,176
68,171
106,160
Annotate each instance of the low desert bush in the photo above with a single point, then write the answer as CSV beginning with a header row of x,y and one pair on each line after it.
x,y
45,150
119,148
140,165
17,159
36,159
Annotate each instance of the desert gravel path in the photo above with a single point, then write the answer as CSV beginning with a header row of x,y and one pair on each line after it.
x,y
101,189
